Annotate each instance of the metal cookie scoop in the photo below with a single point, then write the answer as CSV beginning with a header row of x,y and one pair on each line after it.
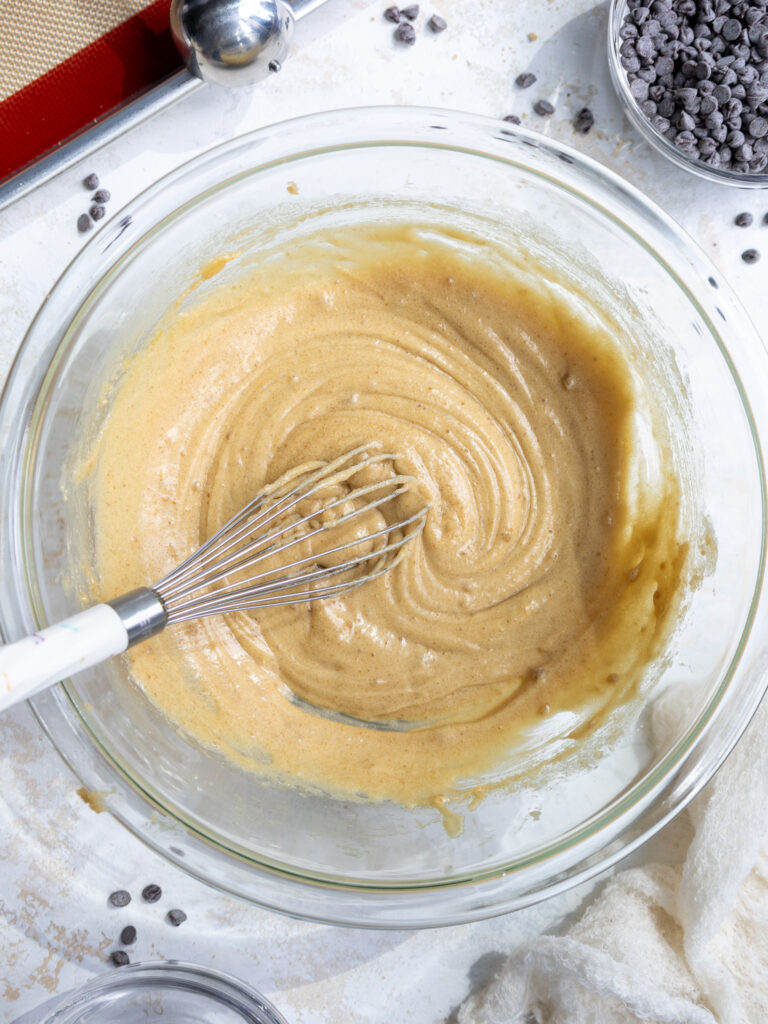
x,y
232,42
314,533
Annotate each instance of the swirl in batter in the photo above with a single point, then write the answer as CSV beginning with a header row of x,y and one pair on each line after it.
x,y
547,575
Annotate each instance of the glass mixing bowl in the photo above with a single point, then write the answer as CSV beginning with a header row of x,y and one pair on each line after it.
x,y
361,863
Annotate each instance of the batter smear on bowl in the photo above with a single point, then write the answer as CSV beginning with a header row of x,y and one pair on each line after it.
x,y
549,572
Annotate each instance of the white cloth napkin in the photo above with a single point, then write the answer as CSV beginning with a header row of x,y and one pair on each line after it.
x,y
661,944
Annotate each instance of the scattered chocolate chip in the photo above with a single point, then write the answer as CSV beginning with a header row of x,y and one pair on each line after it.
x,y
514,119
392,14
128,935
97,211
750,255
84,222
405,33
176,917
102,196
525,80
121,897
584,121
743,220
437,24
119,958
543,107
91,182
765,219
151,893
411,12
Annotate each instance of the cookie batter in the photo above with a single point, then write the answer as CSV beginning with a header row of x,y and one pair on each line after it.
x,y
549,570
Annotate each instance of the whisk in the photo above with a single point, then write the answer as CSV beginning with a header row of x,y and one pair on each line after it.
x,y
290,544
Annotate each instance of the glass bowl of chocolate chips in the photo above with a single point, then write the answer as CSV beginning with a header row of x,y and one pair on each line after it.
x,y
693,78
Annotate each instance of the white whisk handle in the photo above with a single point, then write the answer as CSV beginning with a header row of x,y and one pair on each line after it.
x,y
30,665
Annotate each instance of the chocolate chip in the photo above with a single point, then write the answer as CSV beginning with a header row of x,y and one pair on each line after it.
x,y
437,24
121,897
151,893
525,80
645,48
84,222
743,220
765,220
513,119
91,182
119,958
584,121
176,917
405,33
750,255
102,196
392,14
543,107
639,89
128,935
411,12
97,211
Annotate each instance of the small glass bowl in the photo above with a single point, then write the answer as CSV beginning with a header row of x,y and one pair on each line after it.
x,y
642,123
171,989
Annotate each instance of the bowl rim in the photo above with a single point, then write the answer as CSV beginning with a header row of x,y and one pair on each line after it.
x,y
174,975
675,778
662,145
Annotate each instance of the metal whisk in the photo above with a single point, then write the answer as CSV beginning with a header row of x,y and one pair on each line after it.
x,y
290,544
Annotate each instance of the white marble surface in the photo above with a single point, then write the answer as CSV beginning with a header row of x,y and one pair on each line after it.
x,y
59,859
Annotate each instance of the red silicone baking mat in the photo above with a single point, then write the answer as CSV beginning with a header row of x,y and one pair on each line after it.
x,y
70,63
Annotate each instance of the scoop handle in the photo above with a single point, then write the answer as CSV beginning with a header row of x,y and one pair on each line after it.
x,y
44,658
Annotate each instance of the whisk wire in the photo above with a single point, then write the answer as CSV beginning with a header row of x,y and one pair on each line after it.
x,y
244,522
255,551
224,600
205,583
